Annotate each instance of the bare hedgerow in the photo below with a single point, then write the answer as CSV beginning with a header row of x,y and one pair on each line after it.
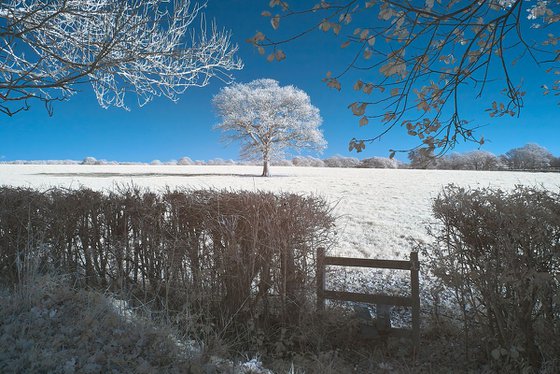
x,y
499,252
222,256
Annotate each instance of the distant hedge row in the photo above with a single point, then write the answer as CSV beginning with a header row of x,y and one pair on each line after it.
x,y
219,252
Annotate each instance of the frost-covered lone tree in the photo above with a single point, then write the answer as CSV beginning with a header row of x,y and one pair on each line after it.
x,y
268,119
149,47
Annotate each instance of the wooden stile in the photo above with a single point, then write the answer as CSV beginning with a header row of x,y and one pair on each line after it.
x,y
412,301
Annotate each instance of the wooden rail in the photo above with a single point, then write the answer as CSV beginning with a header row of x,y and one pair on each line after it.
x,y
412,301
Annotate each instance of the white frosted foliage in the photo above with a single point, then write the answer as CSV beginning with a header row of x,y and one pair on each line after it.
x,y
268,119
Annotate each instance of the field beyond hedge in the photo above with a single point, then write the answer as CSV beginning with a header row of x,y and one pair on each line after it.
x,y
377,209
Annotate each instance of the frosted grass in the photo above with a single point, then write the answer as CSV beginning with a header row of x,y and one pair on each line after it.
x,y
377,209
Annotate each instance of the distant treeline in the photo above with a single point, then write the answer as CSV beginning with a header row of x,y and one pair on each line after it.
x,y
529,157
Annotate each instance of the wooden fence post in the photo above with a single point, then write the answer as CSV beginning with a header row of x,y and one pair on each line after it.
x,y
320,278
415,290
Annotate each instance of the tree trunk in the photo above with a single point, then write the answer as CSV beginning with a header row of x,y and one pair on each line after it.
x,y
266,172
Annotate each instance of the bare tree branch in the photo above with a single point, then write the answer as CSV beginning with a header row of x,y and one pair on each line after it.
x,y
147,47
421,56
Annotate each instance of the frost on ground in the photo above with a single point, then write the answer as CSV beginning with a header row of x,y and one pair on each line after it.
x,y
378,210
46,326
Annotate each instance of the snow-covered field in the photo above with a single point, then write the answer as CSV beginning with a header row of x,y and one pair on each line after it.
x,y
378,209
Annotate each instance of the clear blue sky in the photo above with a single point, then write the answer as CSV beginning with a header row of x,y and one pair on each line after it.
x,y
165,130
